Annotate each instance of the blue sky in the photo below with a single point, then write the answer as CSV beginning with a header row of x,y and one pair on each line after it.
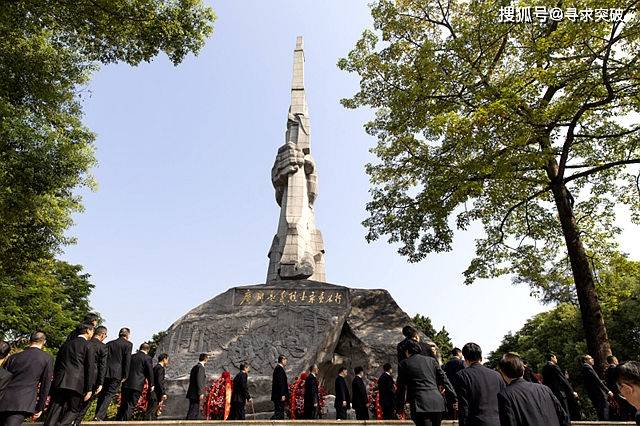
x,y
185,208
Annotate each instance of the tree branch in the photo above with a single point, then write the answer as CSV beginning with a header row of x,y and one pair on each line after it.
x,y
601,168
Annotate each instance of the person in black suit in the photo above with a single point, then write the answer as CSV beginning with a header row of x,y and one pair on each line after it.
x,y
386,393
72,379
628,380
279,388
90,318
477,389
421,375
312,395
159,393
5,376
140,369
524,403
623,410
118,360
98,350
596,389
554,378
195,393
451,368
240,394
31,374
360,400
411,336
343,399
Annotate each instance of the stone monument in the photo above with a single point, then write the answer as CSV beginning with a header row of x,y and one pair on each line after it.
x,y
296,313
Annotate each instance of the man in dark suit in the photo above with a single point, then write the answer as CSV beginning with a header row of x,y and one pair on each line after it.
x,y
31,373
118,360
98,351
411,336
598,393
279,388
628,380
159,393
5,376
312,395
360,400
524,403
623,410
195,393
422,376
387,393
240,394
90,318
343,399
477,389
140,369
72,379
451,368
553,377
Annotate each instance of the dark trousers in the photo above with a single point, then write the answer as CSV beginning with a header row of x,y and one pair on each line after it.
x,y
13,418
152,408
341,413
602,409
427,419
310,413
129,401
237,410
84,407
362,413
109,390
64,408
389,412
194,409
278,410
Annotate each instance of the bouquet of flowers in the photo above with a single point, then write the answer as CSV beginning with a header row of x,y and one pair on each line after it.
x,y
217,403
295,408
373,399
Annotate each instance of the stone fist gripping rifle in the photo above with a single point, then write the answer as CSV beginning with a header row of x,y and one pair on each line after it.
x,y
297,250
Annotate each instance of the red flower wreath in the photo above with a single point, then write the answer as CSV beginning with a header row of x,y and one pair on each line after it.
x,y
296,397
217,403
374,396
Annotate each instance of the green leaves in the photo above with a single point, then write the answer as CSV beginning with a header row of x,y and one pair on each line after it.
x,y
476,120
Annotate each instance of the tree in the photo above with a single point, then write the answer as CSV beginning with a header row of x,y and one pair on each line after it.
x,y
54,298
48,50
155,342
440,338
524,128
559,330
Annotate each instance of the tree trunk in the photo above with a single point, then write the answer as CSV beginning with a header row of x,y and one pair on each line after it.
x,y
592,319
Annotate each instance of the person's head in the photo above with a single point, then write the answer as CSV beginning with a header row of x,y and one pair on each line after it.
x,y
91,318
124,333
203,358
244,367
359,371
511,367
552,358
86,329
408,331
4,350
612,360
342,371
586,359
456,353
387,368
412,348
628,378
100,333
145,347
282,360
313,369
472,353
163,359
38,339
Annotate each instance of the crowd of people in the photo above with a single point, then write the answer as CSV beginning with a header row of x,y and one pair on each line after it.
x,y
87,369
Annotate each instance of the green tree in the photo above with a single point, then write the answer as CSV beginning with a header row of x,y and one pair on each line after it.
x,y
53,299
155,342
48,50
440,338
524,128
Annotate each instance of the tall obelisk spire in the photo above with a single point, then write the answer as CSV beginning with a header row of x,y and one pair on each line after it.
x,y
297,250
